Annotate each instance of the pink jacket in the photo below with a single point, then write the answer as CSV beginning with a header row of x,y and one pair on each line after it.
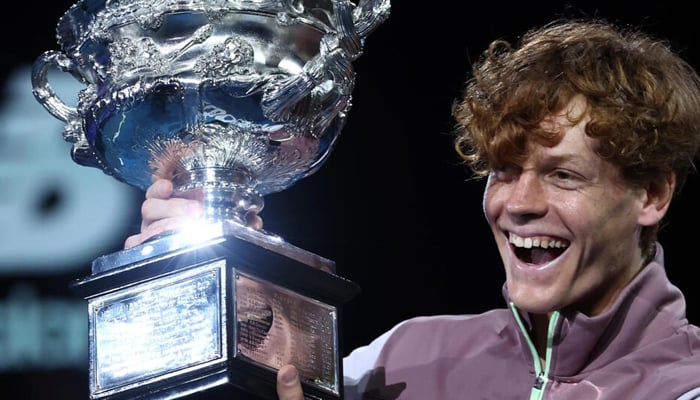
x,y
641,348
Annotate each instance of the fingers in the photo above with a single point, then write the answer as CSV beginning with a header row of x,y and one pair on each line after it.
x,y
155,209
288,384
160,189
253,220
131,241
161,212
148,230
160,205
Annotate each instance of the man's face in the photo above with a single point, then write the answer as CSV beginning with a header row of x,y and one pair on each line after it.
x,y
566,225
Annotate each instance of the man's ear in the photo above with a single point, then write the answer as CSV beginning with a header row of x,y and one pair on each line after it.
x,y
659,193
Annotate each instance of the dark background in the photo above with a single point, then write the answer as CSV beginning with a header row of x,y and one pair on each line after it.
x,y
392,206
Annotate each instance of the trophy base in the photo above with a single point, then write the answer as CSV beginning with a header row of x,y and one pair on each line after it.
x,y
216,311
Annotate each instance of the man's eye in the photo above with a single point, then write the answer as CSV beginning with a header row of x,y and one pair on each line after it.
x,y
564,175
566,179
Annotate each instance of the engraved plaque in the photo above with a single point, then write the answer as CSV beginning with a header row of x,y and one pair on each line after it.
x,y
277,326
157,327
213,319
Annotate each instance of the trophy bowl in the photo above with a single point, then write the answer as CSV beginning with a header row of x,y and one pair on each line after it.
x,y
236,98
230,100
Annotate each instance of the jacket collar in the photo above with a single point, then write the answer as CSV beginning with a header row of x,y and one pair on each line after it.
x,y
648,309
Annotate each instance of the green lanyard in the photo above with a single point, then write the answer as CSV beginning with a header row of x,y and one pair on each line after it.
x,y
541,379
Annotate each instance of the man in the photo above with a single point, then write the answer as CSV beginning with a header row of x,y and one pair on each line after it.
x,y
585,132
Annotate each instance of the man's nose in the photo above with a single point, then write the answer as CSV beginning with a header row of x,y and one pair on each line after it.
x,y
527,196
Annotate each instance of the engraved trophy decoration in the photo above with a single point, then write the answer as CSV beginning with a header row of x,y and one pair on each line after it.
x,y
231,100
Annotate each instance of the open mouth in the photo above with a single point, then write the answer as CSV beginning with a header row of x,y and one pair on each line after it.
x,y
537,249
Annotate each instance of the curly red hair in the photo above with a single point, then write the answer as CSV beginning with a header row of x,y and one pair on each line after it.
x,y
643,101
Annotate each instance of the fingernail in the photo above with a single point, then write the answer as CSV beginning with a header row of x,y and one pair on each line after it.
x,y
289,376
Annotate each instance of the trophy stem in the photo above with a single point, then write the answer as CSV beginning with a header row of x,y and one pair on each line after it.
x,y
227,193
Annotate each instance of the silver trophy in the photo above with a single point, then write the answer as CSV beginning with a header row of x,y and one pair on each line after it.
x,y
231,100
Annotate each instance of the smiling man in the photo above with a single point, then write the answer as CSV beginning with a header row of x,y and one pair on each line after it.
x,y
566,224
585,132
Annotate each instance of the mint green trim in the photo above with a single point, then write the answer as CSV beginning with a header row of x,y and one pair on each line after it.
x,y
538,393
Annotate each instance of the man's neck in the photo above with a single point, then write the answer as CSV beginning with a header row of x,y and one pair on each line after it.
x,y
540,325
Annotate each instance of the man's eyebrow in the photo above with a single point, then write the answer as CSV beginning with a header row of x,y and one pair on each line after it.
x,y
560,158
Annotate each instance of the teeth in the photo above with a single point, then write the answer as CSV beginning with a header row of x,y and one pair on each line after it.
x,y
528,243
516,240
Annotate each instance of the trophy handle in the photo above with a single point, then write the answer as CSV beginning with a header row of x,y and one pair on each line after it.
x,y
369,14
82,153
281,100
43,91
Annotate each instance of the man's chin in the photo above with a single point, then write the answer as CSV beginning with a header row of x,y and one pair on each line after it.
x,y
529,303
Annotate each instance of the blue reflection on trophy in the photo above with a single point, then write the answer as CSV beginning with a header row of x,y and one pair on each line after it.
x,y
231,100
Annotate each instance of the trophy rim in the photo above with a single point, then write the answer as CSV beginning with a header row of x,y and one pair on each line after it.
x,y
85,18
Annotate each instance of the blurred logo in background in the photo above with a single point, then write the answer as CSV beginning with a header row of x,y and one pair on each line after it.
x,y
54,213
55,218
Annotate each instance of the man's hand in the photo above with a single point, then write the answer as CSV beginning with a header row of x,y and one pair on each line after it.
x,y
161,212
288,384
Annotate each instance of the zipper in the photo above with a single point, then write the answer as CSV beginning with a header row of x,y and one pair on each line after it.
x,y
541,375
539,382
